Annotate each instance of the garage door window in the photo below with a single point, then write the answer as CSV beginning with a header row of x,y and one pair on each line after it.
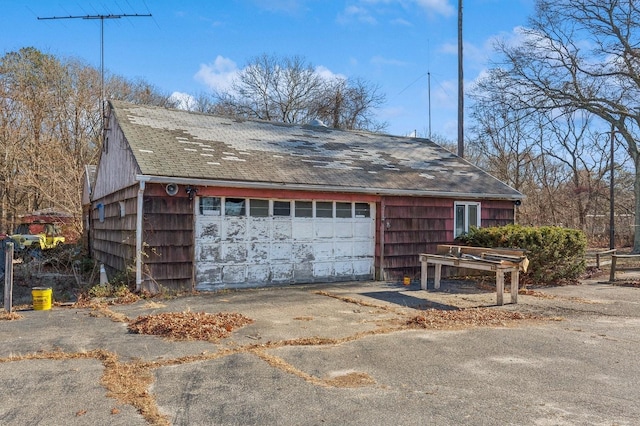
x,y
258,208
210,206
282,208
324,209
343,210
363,210
234,207
304,209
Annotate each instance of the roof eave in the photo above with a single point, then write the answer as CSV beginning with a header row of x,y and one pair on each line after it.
x,y
326,188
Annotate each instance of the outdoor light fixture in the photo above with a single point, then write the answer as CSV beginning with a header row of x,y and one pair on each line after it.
x,y
191,191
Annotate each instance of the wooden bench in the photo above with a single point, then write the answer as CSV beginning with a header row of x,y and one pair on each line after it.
x,y
479,258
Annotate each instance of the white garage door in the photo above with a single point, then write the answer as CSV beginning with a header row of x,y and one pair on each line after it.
x,y
252,242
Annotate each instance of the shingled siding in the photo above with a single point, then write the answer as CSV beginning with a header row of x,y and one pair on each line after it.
x,y
114,237
168,240
409,226
497,213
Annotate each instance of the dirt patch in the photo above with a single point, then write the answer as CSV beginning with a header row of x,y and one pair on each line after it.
x,y
351,380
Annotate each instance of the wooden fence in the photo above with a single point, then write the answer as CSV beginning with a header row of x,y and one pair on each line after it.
x,y
600,258
623,262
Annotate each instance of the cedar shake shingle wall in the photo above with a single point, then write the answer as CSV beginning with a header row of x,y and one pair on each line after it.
x,y
414,225
168,240
114,239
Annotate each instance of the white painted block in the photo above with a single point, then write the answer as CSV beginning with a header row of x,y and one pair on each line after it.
x,y
258,252
281,272
342,249
233,274
302,230
322,270
343,269
323,250
281,251
281,229
259,229
343,229
323,228
234,229
258,273
234,253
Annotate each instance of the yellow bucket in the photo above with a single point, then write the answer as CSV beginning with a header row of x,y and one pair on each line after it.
x,y
41,298
406,281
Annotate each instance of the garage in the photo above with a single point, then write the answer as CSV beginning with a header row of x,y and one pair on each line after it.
x,y
197,201
241,242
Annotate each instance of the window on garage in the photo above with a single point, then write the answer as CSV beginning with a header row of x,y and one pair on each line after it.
x,y
282,208
210,206
363,210
343,210
234,206
304,209
466,215
258,208
324,209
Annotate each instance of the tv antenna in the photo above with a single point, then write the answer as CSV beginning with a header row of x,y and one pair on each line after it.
x,y
101,18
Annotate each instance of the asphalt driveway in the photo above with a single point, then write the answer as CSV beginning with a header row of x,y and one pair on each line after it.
x,y
329,355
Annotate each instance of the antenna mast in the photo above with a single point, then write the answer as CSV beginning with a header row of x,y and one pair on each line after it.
x,y
101,18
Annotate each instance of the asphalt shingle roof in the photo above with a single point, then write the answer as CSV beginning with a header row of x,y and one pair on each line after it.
x,y
176,143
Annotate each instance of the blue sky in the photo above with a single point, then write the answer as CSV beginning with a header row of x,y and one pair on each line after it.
x,y
192,46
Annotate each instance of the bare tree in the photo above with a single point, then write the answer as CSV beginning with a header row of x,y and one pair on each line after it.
x,y
289,90
506,133
582,54
349,104
50,128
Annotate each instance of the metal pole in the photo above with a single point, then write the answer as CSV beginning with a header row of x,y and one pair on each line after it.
x,y
429,90
460,86
8,277
612,232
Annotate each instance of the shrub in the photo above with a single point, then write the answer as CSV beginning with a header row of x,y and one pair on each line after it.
x,y
555,254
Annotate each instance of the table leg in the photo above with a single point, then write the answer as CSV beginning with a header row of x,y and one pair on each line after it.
x,y
500,287
436,280
515,281
423,274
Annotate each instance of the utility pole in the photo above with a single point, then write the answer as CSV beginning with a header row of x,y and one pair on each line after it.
x,y
612,216
460,86
101,18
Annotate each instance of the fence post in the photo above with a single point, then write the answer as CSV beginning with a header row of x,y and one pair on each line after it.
x,y
612,275
8,277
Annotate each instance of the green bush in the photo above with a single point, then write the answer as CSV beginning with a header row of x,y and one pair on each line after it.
x,y
555,254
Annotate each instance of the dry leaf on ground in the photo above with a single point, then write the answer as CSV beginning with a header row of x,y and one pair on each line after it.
x,y
189,325
479,317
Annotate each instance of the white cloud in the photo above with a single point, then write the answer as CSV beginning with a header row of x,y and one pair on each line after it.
x,y
218,75
431,7
356,13
184,100
438,7
402,22
327,74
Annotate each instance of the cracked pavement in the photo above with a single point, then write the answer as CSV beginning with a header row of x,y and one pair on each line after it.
x,y
332,354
